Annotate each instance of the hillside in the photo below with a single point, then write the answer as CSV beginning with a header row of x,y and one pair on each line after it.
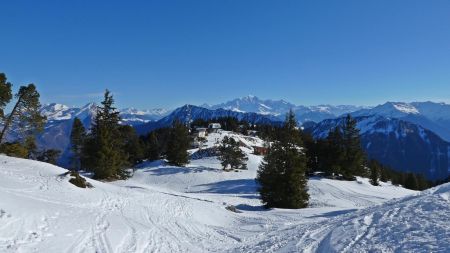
x,y
403,145
171,209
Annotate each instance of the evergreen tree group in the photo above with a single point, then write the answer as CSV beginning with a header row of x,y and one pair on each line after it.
x,y
340,154
282,174
230,154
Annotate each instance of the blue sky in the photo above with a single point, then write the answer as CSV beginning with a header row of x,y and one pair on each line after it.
x,y
169,53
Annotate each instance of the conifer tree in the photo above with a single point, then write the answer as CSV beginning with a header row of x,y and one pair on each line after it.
x,y
281,175
231,155
49,156
25,115
30,145
5,94
132,145
103,149
77,138
374,173
152,148
354,157
332,159
14,149
411,181
178,144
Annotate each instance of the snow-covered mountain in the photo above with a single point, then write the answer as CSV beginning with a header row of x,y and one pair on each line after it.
x,y
130,116
433,116
279,108
133,116
192,112
405,146
254,104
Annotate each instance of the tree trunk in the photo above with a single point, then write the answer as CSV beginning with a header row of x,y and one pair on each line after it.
x,y
9,119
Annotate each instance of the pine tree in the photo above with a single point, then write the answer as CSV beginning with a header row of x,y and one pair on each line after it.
x,y
231,155
178,144
103,147
14,149
132,145
281,175
354,157
49,156
411,182
374,173
77,139
30,145
152,149
25,115
5,94
333,155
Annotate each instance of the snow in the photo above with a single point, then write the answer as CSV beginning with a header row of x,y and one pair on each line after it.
x,y
406,108
164,208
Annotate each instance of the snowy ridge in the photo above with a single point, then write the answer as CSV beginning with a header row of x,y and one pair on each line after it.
x,y
279,108
433,116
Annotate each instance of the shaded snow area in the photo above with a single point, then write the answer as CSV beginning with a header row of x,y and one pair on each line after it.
x,y
164,208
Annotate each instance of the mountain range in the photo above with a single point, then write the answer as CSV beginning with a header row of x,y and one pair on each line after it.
x,y
407,136
279,108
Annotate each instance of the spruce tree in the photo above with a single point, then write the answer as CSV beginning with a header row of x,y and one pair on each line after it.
x,y
132,145
281,175
49,156
374,173
77,138
104,149
178,144
354,156
411,182
152,148
332,158
231,155
30,145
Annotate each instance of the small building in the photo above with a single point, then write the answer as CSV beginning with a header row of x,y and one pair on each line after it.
x,y
257,150
201,132
214,127
252,133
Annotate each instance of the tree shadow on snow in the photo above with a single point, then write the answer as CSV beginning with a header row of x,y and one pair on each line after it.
x,y
160,171
333,213
237,186
245,207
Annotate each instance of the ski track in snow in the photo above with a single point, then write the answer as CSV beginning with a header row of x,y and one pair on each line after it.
x,y
169,209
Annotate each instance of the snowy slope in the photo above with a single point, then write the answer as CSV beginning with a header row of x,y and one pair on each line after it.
x,y
164,208
41,212
418,223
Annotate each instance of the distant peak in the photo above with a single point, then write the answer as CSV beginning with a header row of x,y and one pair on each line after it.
x,y
250,97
